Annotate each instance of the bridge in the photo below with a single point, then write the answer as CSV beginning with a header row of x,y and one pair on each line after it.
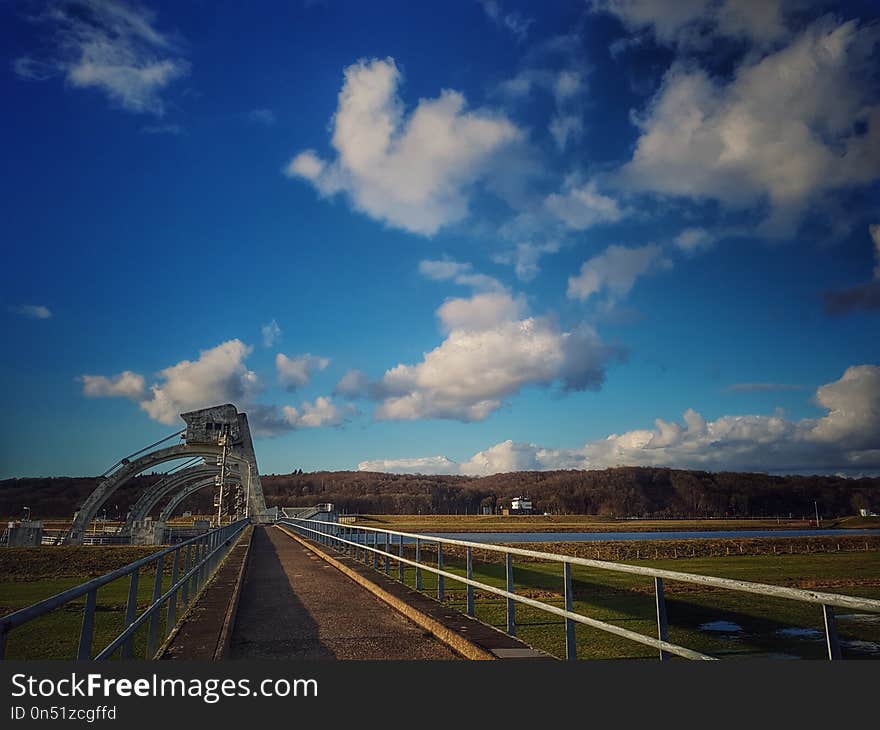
x,y
301,584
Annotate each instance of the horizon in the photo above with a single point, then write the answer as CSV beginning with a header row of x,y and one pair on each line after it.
x,y
490,239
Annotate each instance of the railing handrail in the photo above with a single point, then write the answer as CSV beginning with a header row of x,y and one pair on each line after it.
x,y
797,594
643,639
29,613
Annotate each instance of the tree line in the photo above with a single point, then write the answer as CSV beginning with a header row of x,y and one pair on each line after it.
x,y
617,492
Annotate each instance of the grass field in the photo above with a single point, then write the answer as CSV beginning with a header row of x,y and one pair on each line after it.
x,y
591,523
721,623
29,575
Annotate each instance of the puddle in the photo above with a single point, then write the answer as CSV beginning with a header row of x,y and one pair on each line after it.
x,y
794,632
723,627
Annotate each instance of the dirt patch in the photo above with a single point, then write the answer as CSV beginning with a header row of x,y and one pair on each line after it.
x,y
68,561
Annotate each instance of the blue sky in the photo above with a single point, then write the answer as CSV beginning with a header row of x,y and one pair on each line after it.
x,y
465,237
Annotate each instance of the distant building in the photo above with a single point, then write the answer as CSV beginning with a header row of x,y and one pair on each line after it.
x,y
521,506
866,512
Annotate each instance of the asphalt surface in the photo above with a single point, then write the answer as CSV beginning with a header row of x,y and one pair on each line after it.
x,y
295,606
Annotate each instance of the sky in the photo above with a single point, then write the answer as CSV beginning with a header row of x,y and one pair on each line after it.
x,y
465,237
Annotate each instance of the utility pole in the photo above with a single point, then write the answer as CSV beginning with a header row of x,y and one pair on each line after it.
x,y
816,507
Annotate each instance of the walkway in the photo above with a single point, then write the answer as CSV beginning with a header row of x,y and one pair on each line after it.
x,y
295,606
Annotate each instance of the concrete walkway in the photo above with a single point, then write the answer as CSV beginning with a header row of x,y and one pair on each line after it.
x,y
295,606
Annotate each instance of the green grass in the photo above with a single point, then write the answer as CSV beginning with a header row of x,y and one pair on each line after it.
x,y
55,635
628,601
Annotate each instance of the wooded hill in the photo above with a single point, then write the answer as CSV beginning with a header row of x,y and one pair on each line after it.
x,y
619,492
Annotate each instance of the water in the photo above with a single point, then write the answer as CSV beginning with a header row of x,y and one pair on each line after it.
x,y
497,537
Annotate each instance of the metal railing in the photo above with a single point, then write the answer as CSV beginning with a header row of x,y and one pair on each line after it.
x,y
355,540
193,562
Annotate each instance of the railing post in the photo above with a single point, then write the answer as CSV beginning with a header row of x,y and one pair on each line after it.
x,y
418,564
375,551
511,605
387,553
831,639
400,574
153,630
662,623
184,589
441,593
570,646
131,613
470,576
87,630
172,600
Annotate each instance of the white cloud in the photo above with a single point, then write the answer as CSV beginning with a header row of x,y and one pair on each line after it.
x,y
219,375
844,440
481,311
422,465
788,127
111,46
615,271
31,311
295,372
469,375
415,171
582,206
524,258
322,412
271,333
126,385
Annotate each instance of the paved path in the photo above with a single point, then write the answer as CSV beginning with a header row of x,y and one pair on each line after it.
x,y
295,606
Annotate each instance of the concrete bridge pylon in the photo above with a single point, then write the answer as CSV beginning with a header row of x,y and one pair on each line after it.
x,y
211,433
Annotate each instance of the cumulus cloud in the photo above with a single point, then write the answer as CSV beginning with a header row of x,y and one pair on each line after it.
x,y
861,296
271,333
789,126
480,311
126,385
111,46
615,271
220,375
295,372
413,171
845,440
31,311
582,206
468,376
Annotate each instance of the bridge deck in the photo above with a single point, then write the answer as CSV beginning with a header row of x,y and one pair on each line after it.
x,y
294,605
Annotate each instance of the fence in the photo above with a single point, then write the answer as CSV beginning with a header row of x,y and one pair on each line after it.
x,y
363,542
192,563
